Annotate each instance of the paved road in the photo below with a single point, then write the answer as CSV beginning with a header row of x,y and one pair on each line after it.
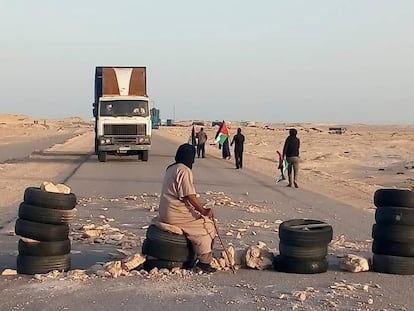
x,y
246,290
22,150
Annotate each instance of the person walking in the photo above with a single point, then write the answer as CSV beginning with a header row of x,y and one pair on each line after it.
x,y
238,141
226,149
201,143
291,152
179,206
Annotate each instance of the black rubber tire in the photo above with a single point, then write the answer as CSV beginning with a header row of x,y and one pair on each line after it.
x,y
305,238
150,264
391,215
42,264
38,248
101,156
394,197
38,197
393,248
299,266
41,232
306,253
393,264
156,234
167,251
393,233
145,155
45,215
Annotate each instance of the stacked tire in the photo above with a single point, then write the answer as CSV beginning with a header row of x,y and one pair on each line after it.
x,y
393,232
168,250
303,246
43,225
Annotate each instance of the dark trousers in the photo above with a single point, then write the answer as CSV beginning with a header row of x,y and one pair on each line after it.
x,y
201,150
238,156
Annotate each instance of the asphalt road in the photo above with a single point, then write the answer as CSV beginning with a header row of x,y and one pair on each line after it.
x,y
245,290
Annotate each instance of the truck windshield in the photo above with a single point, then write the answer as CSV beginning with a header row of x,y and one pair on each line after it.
x,y
119,108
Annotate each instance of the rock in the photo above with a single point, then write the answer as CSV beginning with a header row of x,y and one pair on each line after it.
x,y
94,233
354,263
166,227
114,268
63,188
9,272
49,187
230,262
132,261
258,258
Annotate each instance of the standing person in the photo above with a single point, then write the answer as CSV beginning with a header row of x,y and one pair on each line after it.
x,y
179,206
226,149
291,152
238,141
201,143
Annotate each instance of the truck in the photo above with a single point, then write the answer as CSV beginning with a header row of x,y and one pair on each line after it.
x,y
121,112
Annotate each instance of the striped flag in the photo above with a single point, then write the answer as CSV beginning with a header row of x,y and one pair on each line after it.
x,y
222,133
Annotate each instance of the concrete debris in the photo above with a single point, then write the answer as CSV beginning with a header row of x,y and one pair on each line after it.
x,y
132,262
354,263
258,258
114,268
8,272
51,187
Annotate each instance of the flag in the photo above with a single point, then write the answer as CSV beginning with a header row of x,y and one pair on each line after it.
x,y
222,133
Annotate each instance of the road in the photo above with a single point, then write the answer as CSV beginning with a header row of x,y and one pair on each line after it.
x,y
102,188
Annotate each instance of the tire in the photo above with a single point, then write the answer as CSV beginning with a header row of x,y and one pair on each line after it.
x,y
300,266
290,235
167,251
306,253
145,155
45,215
156,234
388,215
38,197
150,264
393,264
41,232
394,197
37,248
102,156
44,264
393,248
393,233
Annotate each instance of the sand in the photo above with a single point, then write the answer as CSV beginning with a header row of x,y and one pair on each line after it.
x,y
348,167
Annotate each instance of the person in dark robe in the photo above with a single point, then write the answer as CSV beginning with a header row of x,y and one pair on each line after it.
x,y
238,141
226,149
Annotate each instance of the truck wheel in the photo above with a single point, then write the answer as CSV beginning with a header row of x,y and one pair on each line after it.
x,y
102,156
145,155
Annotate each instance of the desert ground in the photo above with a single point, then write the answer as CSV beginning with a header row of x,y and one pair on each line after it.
x,y
348,167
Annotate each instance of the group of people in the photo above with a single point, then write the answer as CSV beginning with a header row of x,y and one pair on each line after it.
x,y
237,141
180,206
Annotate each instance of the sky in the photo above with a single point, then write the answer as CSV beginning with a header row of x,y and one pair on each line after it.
x,y
332,61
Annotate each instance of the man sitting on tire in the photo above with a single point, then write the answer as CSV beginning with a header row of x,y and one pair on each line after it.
x,y
179,206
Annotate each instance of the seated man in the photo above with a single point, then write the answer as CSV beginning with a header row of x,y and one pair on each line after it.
x,y
179,206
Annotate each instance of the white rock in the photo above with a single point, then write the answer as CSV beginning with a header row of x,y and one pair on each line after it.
x,y
63,188
49,187
354,263
258,258
9,272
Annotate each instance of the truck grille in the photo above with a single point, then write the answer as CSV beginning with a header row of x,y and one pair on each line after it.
x,y
125,129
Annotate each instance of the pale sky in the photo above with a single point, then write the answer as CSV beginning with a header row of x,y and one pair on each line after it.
x,y
349,61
